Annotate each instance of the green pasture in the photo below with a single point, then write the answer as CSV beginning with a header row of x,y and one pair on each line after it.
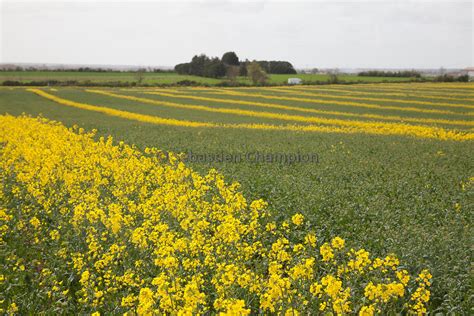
x,y
152,78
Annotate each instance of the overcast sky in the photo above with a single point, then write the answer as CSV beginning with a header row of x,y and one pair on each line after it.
x,y
350,34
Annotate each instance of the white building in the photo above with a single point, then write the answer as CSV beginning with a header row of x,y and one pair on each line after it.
x,y
470,73
294,81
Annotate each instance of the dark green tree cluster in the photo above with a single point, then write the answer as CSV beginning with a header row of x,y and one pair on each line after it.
x,y
204,66
230,59
229,65
277,67
400,74
448,78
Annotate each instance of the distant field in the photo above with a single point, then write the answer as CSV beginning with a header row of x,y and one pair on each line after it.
x,y
167,78
395,170
149,78
321,77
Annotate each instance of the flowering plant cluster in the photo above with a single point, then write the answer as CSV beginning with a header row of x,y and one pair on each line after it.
x,y
87,226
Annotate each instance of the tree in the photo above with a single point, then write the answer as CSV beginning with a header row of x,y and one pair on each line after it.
x,y
214,68
197,65
277,67
139,75
202,65
232,73
333,75
230,59
243,68
256,73
182,69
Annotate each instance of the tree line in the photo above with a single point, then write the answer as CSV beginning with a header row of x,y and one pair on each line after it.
x,y
400,74
80,69
230,65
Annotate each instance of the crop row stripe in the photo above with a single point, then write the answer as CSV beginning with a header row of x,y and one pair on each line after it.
x,y
119,113
306,110
382,127
345,103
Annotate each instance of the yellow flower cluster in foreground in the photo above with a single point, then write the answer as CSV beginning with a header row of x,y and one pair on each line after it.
x,y
91,227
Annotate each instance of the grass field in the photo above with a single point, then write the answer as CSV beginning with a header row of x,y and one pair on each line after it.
x,y
394,171
165,78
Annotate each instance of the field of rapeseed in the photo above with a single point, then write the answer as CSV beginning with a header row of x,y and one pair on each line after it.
x,y
380,225
94,227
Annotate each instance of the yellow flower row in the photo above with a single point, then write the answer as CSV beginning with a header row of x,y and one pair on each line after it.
x,y
120,113
306,110
357,127
113,230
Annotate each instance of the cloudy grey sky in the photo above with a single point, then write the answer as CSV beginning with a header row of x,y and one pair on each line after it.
x,y
379,34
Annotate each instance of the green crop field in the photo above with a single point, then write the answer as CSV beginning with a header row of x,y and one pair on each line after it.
x,y
165,77
395,167
100,77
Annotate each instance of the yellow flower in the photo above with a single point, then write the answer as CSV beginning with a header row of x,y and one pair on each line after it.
x,y
297,219
291,312
35,222
54,234
337,243
13,308
84,277
234,308
128,301
310,239
145,302
326,252
367,310
322,306
298,248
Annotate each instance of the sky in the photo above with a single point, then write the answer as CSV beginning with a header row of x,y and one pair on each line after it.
x,y
322,34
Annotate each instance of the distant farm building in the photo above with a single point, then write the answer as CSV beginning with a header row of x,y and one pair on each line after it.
x,y
294,81
470,73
